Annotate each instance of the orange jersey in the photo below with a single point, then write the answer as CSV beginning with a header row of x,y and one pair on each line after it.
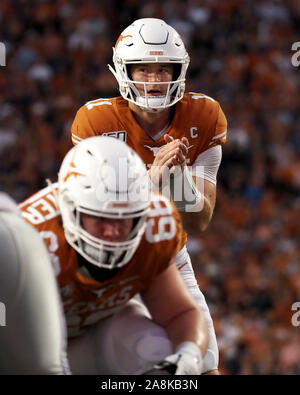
x,y
86,300
197,117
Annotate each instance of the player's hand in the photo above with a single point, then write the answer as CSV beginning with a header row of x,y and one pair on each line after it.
x,y
180,150
177,364
170,155
186,361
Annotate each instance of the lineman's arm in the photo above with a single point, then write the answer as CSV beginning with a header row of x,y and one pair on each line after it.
x,y
172,307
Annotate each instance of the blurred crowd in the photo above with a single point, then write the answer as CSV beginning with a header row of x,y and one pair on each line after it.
x,y
248,260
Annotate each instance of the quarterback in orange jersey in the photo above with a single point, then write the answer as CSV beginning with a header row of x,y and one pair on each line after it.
x,y
171,130
109,239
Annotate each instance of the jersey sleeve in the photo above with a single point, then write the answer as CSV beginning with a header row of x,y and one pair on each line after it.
x,y
220,132
206,121
216,125
81,127
94,118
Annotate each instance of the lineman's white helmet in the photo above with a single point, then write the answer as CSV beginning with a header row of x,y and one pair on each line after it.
x,y
104,177
150,40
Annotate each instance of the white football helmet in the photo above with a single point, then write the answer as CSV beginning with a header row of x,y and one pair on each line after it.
x,y
103,177
150,40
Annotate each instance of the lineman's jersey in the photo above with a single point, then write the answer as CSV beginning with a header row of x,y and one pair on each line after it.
x,y
197,117
87,301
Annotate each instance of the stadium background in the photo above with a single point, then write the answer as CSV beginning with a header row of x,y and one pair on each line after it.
x,y
247,261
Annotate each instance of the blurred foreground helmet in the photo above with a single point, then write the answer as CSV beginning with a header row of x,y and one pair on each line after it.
x,y
103,177
150,40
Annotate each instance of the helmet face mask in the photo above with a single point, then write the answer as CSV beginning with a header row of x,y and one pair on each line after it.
x,y
103,253
85,187
150,40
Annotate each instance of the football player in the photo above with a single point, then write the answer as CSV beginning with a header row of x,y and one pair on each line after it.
x,y
108,240
178,135
32,327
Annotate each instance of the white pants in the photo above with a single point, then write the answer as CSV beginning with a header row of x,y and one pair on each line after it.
x,y
183,263
127,343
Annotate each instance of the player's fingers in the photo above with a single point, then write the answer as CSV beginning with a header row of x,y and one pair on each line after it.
x,y
168,148
180,157
163,157
172,146
168,138
183,148
176,159
172,162
185,141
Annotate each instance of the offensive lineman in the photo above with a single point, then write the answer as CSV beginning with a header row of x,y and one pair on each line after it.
x,y
107,242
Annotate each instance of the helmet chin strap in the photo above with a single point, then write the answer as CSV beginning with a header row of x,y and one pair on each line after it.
x,y
152,104
101,256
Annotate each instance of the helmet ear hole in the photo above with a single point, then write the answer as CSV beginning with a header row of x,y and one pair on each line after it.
x,y
128,70
176,71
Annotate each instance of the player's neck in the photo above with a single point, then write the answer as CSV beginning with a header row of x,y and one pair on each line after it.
x,y
151,123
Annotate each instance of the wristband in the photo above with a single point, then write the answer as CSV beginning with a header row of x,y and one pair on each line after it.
x,y
184,192
189,348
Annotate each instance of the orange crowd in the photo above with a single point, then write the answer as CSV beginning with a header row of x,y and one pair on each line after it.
x,y
248,260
